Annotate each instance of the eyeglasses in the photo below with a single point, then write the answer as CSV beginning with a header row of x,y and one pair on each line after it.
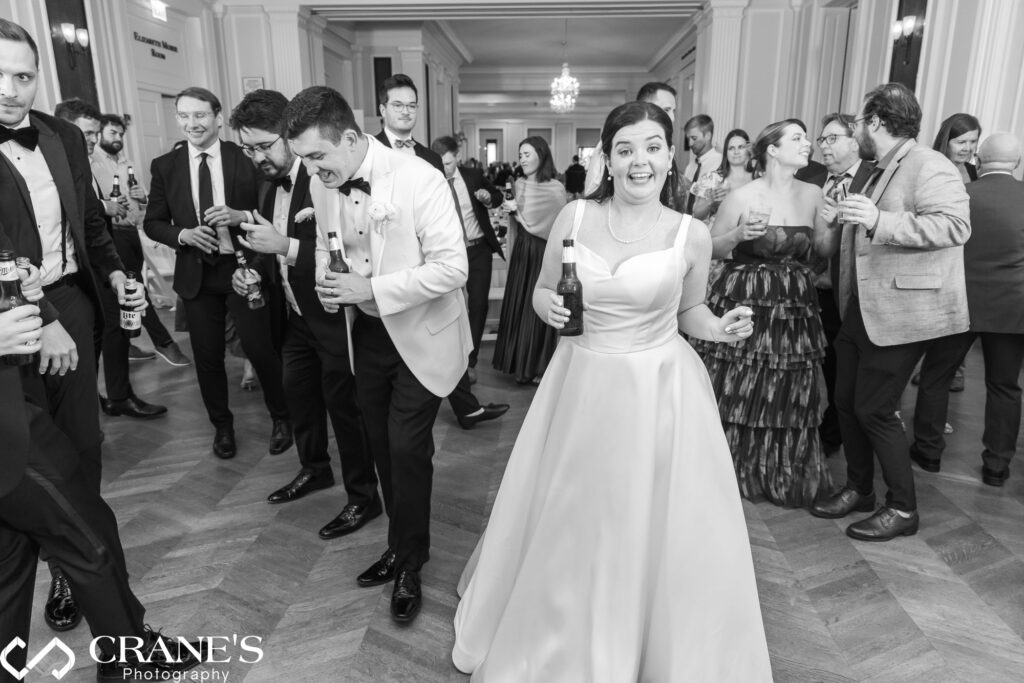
x,y
262,148
197,115
830,139
399,107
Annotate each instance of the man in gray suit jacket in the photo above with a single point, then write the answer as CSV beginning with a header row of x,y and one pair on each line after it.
x,y
995,294
901,283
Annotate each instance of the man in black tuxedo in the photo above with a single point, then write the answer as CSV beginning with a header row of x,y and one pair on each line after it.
x,y
318,380
200,193
45,505
399,103
51,215
995,299
843,171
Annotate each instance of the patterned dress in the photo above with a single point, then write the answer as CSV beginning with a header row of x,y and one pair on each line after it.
x,y
768,388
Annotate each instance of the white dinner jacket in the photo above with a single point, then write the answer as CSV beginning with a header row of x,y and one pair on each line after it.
x,y
419,264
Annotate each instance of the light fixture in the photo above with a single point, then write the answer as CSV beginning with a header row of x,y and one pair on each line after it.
x,y
565,88
903,31
76,40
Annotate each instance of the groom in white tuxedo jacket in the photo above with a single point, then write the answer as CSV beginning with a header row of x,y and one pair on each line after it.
x,y
404,309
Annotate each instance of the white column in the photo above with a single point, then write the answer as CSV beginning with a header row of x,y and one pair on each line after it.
x,y
31,16
411,62
289,46
718,59
870,50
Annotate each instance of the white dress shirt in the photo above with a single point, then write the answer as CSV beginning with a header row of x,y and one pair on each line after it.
x,y
216,166
355,234
702,165
469,221
282,202
31,164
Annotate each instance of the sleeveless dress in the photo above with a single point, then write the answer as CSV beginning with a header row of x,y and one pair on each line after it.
x,y
617,549
767,387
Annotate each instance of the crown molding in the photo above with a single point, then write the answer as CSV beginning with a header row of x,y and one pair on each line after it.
x,y
396,10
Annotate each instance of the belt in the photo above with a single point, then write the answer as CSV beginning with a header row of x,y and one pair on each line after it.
x,y
70,280
475,242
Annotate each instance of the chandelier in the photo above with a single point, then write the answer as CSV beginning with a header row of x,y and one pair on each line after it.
x,y
565,88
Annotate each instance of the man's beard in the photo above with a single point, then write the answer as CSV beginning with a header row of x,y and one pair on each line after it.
x,y
111,148
867,150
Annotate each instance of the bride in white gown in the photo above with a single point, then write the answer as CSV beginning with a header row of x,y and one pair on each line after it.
x,y
617,550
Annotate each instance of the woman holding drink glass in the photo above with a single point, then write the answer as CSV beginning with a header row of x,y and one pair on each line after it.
x,y
767,388
735,172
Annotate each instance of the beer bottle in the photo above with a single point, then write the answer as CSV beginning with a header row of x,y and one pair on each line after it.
x,y
131,319
11,297
115,191
571,290
509,194
253,290
132,182
337,264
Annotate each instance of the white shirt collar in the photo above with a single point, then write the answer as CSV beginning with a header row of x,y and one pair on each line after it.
x,y
294,173
852,171
213,150
366,167
392,137
982,175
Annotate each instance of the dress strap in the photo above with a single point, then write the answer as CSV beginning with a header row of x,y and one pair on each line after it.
x,y
684,227
577,218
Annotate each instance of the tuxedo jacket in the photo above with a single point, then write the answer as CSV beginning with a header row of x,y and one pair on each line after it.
x,y
63,147
171,210
418,262
994,256
475,180
329,328
422,151
910,273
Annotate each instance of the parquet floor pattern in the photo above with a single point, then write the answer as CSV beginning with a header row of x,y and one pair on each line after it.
x,y
208,555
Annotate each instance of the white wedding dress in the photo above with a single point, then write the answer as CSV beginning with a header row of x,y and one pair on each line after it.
x,y
617,550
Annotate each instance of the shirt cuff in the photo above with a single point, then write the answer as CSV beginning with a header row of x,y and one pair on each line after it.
x,y
182,232
292,256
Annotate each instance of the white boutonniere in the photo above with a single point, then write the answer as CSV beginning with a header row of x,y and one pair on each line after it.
x,y
381,214
304,215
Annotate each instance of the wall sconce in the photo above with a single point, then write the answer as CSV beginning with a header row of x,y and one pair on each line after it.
x,y
903,31
76,40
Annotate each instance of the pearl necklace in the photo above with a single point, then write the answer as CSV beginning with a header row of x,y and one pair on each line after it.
x,y
641,237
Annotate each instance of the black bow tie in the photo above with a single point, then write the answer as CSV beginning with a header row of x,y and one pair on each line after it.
x,y
285,182
354,184
26,137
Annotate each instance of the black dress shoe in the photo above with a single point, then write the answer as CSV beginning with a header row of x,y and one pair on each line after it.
x,y
926,464
133,406
490,412
884,525
352,517
281,437
307,481
159,658
61,612
224,443
843,503
380,572
407,597
105,404
994,477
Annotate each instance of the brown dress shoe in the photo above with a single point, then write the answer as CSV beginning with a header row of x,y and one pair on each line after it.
x,y
843,503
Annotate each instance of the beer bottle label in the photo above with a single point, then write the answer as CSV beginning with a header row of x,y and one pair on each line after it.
x,y
8,270
131,320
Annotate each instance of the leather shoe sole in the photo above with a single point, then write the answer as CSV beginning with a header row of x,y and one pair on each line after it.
x,y
372,511
924,463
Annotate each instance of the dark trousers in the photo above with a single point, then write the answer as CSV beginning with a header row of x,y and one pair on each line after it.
x,y
869,382
319,383
206,314
399,413
129,248
1004,355
831,435
478,288
67,520
71,399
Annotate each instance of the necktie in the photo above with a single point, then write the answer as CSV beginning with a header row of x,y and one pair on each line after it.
x,y
354,184
690,195
458,207
206,202
285,182
400,144
26,137
833,182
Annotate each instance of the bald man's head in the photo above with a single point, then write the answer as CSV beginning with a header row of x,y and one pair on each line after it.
x,y
999,152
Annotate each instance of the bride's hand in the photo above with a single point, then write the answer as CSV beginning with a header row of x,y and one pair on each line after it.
x,y
734,326
558,315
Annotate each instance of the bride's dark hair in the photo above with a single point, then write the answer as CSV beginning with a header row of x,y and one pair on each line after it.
x,y
771,135
626,115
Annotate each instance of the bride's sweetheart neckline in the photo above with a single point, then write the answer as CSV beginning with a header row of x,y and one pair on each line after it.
x,y
626,260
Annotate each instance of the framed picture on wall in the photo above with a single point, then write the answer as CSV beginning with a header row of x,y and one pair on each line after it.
x,y
250,83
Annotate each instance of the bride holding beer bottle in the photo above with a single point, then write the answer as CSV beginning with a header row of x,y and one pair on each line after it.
x,y
617,549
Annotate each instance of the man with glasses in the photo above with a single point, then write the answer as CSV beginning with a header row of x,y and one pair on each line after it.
x,y
201,193
399,104
843,173
901,284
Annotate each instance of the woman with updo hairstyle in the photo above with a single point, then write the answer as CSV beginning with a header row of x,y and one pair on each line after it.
x,y
617,549
768,390
525,344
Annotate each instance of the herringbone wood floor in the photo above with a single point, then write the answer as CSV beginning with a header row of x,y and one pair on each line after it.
x,y
208,556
